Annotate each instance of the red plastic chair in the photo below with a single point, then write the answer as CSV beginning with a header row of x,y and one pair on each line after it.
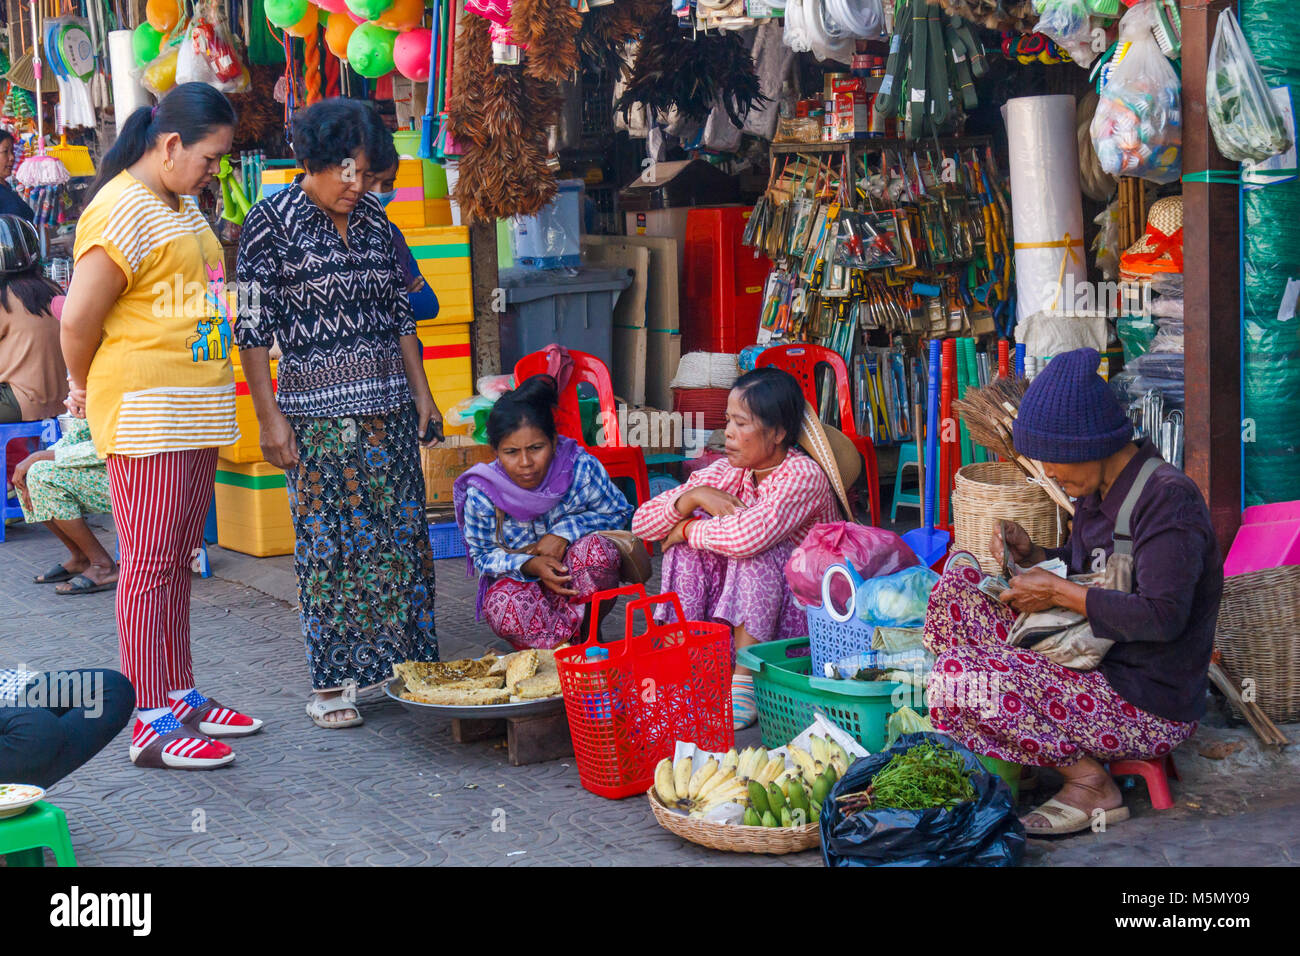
x,y
619,459
802,362
1156,772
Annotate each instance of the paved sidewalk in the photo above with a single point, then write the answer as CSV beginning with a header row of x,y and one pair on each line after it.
x,y
398,791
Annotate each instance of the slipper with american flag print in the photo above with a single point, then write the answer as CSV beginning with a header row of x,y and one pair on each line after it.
x,y
166,744
210,717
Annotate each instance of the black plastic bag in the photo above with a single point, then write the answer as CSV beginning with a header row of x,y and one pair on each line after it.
x,y
983,832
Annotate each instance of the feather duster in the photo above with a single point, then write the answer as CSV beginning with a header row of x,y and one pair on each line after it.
x,y
673,70
261,118
549,30
500,116
606,31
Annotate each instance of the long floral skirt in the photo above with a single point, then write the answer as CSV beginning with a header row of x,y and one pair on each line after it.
x,y
528,615
749,592
1015,704
365,569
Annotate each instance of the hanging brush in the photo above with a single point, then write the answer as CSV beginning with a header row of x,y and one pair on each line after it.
x,y
989,413
40,170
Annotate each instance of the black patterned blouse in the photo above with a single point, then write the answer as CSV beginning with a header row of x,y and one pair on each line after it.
x,y
338,311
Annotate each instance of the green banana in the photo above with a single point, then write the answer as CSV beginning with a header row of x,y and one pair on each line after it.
x,y
770,821
787,819
775,798
758,797
752,819
798,798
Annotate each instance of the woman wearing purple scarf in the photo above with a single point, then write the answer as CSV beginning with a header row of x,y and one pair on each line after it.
x,y
530,520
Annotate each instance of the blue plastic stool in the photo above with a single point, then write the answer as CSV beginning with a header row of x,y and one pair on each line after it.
x,y
8,432
23,837
906,456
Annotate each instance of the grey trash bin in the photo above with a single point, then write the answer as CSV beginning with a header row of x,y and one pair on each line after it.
x,y
550,307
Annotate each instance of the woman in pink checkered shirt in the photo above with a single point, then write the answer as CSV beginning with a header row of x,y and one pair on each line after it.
x,y
728,531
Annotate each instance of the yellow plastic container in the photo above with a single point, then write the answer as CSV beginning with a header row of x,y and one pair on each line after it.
x,y
442,253
253,509
447,361
248,449
406,211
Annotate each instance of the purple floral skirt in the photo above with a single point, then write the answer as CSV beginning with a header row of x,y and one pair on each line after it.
x,y
749,592
1015,704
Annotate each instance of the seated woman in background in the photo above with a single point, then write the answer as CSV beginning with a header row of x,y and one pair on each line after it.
x,y
1147,693
33,378
728,532
531,521
58,486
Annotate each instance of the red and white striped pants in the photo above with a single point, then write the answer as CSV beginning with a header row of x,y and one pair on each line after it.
x,y
160,503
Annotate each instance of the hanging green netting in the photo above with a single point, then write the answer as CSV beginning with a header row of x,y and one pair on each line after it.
x,y
1271,347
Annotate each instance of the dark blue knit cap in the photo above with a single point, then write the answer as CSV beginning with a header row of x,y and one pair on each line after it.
x,y
1069,415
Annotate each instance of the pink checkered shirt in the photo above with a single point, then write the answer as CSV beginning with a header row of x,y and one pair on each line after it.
x,y
786,504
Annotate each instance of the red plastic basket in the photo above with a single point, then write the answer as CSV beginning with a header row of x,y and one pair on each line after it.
x,y
670,683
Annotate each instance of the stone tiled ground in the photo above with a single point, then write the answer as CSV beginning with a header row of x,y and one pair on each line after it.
x,y
398,791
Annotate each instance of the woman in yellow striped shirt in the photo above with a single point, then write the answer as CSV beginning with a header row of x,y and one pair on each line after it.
x,y
146,334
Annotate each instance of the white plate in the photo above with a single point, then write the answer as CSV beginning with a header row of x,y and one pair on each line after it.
x,y
17,797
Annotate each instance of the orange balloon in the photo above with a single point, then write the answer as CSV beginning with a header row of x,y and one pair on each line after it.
x,y
402,15
308,24
163,15
338,28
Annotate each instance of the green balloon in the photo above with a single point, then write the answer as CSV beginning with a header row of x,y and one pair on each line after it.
x,y
145,42
370,50
285,13
368,9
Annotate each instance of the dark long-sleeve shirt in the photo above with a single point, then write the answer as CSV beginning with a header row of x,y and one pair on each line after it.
x,y
12,204
1164,631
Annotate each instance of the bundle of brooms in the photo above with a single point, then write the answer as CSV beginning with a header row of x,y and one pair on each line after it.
x,y
988,413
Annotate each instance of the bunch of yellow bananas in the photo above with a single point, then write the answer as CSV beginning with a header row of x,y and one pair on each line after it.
x,y
825,752
698,786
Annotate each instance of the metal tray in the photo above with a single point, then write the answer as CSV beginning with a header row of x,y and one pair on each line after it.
x,y
528,708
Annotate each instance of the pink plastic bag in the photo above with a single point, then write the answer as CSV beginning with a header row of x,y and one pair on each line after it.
x,y
871,551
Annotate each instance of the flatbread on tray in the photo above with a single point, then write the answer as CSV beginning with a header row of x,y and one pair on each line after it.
x,y
513,678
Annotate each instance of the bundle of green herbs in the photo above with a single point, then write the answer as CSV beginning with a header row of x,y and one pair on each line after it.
x,y
921,777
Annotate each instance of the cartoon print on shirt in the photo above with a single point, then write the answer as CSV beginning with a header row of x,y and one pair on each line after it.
x,y
213,332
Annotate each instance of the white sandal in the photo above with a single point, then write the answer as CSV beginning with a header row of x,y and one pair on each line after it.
x,y
1065,819
318,707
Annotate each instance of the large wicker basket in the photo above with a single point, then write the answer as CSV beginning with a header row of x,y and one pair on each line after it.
x,y
734,838
993,491
1258,635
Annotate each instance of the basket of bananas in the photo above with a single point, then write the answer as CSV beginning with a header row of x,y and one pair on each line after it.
x,y
748,801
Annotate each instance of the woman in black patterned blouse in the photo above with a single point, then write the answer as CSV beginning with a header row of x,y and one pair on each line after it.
x,y
319,276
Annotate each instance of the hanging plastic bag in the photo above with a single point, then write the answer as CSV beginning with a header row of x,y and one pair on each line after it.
x,y
1069,24
897,600
871,551
159,75
207,54
982,832
1245,120
1137,129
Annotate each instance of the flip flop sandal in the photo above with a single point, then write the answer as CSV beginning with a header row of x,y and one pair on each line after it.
x,y
1066,819
54,575
182,749
318,707
83,585
211,719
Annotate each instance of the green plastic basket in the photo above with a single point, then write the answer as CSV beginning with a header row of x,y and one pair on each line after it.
x,y
789,697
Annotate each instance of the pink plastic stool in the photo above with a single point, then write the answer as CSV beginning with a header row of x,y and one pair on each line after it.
x,y
1155,772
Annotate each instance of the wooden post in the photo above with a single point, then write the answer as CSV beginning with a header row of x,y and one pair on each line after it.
x,y
486,330
1212,320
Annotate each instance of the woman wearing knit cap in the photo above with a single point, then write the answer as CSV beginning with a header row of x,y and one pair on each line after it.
x,y
1147,692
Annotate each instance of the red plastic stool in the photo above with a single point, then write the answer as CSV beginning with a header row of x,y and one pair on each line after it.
x,y
1155,772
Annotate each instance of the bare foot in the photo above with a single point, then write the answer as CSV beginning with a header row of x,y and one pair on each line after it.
x,y
1086,793
337,715
99,573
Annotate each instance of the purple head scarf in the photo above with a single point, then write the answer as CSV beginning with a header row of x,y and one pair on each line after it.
x,y
522,504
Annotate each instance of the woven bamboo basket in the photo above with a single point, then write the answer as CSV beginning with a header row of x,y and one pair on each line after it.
x,y
735,838
993,491
1258,635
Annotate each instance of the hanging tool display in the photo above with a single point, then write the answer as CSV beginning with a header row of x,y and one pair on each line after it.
x,y
933,62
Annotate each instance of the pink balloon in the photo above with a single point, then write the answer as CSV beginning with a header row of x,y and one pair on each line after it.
x,y
332,6
411,53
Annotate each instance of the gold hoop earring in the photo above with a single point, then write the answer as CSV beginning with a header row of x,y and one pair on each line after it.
x,y
169,164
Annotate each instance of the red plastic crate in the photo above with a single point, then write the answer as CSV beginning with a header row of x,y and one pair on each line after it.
x,y
711,403
670,683
723,281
